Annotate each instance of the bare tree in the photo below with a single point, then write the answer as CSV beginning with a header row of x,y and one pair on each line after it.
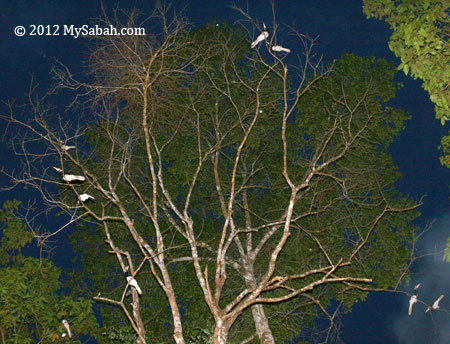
x,y
265,176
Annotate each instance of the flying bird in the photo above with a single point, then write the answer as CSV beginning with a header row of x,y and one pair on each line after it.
x,y
279,48
66,325
413,299
84,197
65,148
134,284
435,305
262,36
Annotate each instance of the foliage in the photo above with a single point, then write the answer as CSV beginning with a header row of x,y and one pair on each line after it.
x,y
86,241
354,95
202,335
421,32
367,170
421,40
31,304
446,256
121,335
14,237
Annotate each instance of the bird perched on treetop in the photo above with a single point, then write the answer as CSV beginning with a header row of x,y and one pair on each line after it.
x,y
262,36
413,298
435,305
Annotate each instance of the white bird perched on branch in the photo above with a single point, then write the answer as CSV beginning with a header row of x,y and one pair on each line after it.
x,y
279,48
72,178
66,325
262,37
134,284
69,177
65,148
435,305
84,197
413,298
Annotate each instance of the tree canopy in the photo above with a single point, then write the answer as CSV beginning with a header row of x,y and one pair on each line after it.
x,y
32,305
420,38
263,186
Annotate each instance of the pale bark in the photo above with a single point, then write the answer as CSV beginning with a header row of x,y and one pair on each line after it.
x,y
262,325
220,332
137,318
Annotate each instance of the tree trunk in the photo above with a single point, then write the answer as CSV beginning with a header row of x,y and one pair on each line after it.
x,y
262,325
259,317
221,332
137,317
177,328
168,289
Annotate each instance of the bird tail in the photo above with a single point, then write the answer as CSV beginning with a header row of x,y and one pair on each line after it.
x,y
410,309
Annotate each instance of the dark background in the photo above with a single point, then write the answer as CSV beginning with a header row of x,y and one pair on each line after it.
x,y
340,27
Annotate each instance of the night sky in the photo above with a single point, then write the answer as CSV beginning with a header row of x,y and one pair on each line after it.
x,y
340,27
